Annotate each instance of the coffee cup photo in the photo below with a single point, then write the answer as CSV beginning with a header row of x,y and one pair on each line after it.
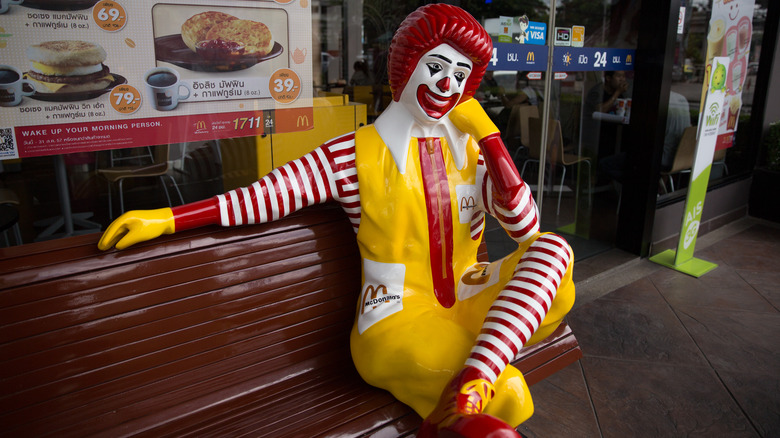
x,y
12,84
165,89
4,4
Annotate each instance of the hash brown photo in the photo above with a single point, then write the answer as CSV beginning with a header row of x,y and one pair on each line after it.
x,y
255,36
198,26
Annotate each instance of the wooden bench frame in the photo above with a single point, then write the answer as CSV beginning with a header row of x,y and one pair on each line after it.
x,y
217,331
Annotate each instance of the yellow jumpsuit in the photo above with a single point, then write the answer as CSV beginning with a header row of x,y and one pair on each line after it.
x,y
404,340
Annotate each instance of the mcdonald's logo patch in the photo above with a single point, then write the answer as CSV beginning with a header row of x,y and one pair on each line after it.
x,y
467,194
303,120
530,57
200,125
628,59
478,278
375,296
382,293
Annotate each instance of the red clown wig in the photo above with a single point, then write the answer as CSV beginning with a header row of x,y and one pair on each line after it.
x,y
428,27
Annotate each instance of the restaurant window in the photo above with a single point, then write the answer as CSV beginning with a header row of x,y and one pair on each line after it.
x,y
350,39
578,197
701,35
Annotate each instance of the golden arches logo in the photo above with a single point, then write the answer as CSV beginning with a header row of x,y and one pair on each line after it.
x,y
467,203
373,295
303,120
200,125
530,57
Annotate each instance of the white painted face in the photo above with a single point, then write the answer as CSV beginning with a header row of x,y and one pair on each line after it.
x,y
436,84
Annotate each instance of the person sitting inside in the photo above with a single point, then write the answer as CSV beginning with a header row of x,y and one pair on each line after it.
x,y
361,75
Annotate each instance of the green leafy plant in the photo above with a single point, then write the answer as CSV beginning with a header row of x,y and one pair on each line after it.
x,y
772,145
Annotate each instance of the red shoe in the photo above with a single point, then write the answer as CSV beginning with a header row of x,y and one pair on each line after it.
x,y
459,412
478,426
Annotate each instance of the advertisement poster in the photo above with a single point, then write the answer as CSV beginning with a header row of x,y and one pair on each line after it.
x,y
86,75
707,136
578,36
730,33
536,33
505,32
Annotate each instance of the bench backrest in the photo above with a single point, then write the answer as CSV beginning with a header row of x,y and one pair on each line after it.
x,y
91,340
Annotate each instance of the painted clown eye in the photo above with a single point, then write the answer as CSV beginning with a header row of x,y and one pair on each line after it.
x,y
433,68
460,76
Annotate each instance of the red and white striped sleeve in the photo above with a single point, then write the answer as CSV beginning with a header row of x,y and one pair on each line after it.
x,y
518,216
325,174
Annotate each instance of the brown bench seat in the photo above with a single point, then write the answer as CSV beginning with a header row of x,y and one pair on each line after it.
x,y
213,332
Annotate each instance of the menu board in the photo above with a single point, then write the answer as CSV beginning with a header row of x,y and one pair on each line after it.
x,y
85,75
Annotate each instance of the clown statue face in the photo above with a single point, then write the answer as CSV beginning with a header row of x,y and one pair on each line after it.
x,y
437,84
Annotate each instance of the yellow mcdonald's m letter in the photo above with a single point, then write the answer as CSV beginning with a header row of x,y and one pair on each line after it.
x,y
303,120
530,57
371,294
200,124
467,203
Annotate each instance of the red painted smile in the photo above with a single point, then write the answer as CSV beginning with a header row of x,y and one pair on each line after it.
x,y
433,104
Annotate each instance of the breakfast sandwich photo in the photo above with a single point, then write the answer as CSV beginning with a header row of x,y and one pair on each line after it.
x,y
69,70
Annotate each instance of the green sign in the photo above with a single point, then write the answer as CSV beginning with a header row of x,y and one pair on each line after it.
x,y
682,258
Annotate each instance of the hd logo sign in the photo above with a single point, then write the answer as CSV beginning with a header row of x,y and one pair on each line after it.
x,y
563,36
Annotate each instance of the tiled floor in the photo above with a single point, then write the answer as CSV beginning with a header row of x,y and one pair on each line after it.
x,y
670,355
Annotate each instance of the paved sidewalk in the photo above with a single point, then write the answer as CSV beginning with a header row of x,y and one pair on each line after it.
x,y
668,355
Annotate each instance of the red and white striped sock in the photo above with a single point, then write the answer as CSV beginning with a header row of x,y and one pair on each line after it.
x,y
520,308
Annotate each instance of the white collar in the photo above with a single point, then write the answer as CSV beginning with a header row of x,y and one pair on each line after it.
x,y
396,126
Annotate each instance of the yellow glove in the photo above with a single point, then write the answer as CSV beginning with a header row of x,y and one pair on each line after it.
x,y
137,226
471,118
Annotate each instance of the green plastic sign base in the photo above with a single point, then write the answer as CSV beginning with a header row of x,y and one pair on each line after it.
x,y
693,266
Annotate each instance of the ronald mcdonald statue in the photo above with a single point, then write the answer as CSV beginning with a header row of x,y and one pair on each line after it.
x,y
434,327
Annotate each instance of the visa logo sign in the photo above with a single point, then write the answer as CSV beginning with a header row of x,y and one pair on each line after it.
x,y
536,33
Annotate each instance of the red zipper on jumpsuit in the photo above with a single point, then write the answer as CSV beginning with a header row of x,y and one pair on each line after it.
x,y
439,212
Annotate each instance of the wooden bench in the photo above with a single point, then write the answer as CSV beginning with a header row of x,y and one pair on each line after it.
x,y
217,331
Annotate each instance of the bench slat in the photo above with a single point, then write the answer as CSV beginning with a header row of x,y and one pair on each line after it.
x,y
128,297
111,268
